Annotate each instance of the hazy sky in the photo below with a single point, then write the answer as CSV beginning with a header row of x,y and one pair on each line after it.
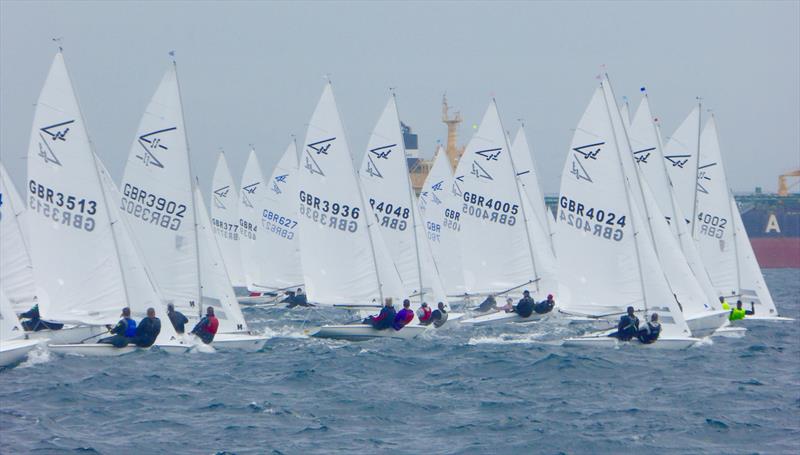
x,y
251,72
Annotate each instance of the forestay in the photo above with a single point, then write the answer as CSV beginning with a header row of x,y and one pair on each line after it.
x,y
76,268
338,251
529,181
16,270
279,232
157,197
225,220
439,208
216,290
606,258
385,181
495,250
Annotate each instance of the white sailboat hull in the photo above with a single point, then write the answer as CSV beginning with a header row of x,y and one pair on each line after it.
x,y
500,317
360,332
69,334
730,332
602,340
14,351
704,324
768,318
91,349
239,341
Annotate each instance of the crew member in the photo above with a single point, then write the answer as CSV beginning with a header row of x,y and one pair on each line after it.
x,y
424,314
123,331
177,319
509,306
525,305
404,316
545,306
439,316
490,304
739,312
385,318
35,322
148,329
724,303
207,327
289,299
650,332
628,326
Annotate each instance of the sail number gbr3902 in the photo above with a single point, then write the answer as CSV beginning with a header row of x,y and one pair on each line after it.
x,y
598,222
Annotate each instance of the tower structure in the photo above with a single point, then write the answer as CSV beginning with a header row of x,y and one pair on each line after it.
x,y
453,151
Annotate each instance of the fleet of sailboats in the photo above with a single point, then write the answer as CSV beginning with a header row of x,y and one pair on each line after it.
x,y
638,224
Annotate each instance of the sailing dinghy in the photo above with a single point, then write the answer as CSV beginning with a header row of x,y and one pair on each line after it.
x,y
170,223
225,222
16,271
345,263
606,257
13,346
497,252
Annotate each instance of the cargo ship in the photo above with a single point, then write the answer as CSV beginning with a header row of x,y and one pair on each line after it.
x,y
772,221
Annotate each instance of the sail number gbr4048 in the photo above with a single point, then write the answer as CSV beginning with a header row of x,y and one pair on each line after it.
x,y
598,222
331,214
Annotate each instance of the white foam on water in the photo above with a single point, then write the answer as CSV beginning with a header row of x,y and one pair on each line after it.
x,y
36,356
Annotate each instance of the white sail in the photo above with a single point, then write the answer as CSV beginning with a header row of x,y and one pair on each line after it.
x,y
225,219
340,263
606,258
157,197
9,324
752,287
253,251
387,187
528,178
440,209
216,288
16,270
625,111
680,154
140,287
278,230
76,267
495,250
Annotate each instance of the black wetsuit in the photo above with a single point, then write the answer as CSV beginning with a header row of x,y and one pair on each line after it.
x,y
627,328
118,340
525,307
35,323
439,317
649,333
545,306
178,321
146,332
487,305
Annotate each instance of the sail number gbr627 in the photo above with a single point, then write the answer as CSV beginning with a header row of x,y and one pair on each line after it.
x,y
598,222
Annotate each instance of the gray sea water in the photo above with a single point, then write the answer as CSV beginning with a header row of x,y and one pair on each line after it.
x,y
495,390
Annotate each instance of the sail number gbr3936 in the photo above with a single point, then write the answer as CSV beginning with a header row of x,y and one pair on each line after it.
x,y
598,222
331,214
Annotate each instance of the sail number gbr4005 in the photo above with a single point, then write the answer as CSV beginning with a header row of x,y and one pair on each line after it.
x,y
331,214
489,209
598,222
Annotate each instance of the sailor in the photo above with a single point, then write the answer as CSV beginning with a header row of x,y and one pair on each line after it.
x,y
288,299
301,299
123,331
509,306
404,316
739,312
35,322
490,304
207,327
525,305
148,329
424,314
545,306
177,319
650,332
724,304
628,326
385,318
439,316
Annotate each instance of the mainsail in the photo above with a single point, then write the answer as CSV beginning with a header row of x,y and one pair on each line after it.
x,y
16,270
225,220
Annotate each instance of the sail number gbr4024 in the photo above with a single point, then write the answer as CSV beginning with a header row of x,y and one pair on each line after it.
x,y
598,222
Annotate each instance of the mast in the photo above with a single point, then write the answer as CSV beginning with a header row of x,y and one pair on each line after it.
x,y
194,208
627,200
411,207
697,162
733,207
521,202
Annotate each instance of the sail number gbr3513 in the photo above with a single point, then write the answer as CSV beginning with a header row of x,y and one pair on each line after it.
x,y
598,222
62,208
